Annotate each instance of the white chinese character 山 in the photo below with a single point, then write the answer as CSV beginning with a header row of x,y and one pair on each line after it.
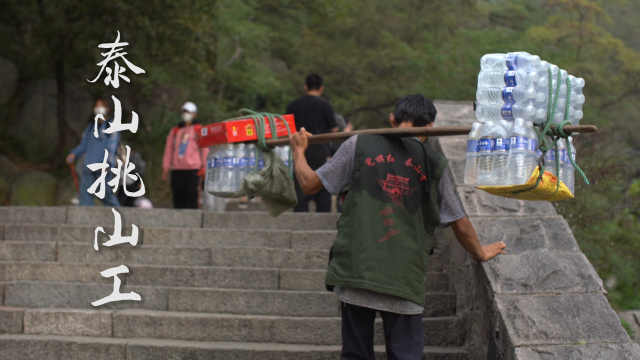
x,y
116,295
116,238
116,125
115,73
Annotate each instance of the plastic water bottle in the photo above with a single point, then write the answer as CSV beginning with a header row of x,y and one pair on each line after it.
x,y
213,167
516,75
286,150
521,159
260,160
492,154
496,112
570,177
227,171
508,95
577,99
500,152
471,163
252,157
562,152
550,158
493,78
494,62
242,162
522,60
485,144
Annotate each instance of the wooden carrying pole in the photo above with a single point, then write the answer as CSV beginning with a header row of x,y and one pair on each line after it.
x,y
412,131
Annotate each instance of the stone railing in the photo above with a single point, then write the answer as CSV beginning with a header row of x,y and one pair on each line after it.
x,y
541,300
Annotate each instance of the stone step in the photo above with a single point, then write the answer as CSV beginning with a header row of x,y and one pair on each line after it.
x,y
51,347
220,256
97,215
83,253
27,251
34,294
187,276
33,214
438,331
262,220
171,236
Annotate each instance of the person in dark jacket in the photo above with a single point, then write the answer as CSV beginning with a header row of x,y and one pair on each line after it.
x,y
315,114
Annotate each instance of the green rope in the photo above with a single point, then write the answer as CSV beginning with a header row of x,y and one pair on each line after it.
x,y
259,123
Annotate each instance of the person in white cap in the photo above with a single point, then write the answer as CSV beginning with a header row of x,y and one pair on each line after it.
x,y
183,160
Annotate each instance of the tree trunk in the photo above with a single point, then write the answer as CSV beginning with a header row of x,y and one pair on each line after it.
x,y
63,129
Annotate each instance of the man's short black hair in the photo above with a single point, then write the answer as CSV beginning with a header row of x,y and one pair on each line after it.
x,y
313,81
415,109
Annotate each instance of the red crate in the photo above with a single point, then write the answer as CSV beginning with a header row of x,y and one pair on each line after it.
x,y
241,130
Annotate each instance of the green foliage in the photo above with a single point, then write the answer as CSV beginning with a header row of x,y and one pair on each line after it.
x,y
230,54
627,327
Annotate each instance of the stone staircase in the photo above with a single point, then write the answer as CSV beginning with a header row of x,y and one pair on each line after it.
x,y
235,285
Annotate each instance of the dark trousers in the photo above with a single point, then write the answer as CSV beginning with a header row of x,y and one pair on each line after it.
x,y
403,334
322,199
184,187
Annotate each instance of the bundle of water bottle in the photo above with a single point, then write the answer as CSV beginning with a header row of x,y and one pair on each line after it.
x,y
229,164
512,98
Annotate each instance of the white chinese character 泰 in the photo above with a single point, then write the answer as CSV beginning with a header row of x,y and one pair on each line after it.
x,y
116,125
116,295
114,74
116,238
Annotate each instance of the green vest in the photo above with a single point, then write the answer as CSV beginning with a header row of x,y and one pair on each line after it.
x,y
390,212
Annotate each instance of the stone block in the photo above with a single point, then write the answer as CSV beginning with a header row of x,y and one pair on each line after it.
x,y
542,271
559,319
290,303
319,239
67,322
31,251
29,347
302,279
84,233
11,320
523,234
619,351
33,214
269,258
30,232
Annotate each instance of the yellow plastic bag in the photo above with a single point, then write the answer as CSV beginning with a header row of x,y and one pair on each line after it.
x,y
546,189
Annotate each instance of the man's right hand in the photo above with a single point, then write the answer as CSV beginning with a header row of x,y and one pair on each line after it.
x,y
70,159
492,250
299,141
165,175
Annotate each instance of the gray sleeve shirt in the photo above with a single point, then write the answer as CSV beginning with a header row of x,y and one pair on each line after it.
x,y
335,175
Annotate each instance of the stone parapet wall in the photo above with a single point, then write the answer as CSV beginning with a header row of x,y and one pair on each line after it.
x,y
541,300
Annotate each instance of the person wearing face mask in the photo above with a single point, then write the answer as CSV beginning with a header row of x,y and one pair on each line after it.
x,y
93,150
183,160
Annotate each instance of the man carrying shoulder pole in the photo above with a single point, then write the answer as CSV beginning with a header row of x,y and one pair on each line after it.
x,y
399,191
